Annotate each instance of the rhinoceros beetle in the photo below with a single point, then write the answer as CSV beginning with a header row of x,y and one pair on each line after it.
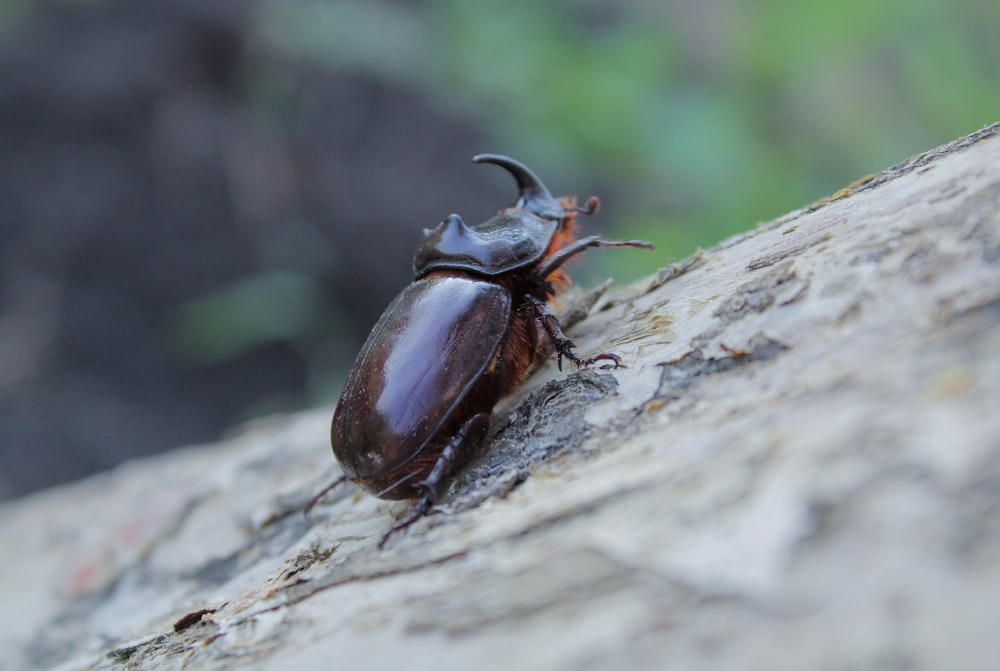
x,y
416,405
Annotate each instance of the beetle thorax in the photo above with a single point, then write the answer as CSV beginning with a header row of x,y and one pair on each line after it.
x,y
512,240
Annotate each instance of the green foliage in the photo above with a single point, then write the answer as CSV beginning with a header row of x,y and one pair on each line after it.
x,y
694,120
230,321
705,117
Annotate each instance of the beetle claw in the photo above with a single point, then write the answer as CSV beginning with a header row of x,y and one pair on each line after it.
x,y
616,361
564,348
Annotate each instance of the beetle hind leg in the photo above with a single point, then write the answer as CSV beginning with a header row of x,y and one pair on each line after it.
x,y
457,450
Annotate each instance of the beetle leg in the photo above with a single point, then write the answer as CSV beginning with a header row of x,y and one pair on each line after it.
x,y
564,346
553,262
547,322
418,510
311,503
461,446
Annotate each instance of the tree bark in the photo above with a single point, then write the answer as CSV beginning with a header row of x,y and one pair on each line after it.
x,y
798,468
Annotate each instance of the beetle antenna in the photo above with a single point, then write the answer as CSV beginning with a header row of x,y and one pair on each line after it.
x,y
531,193
593,205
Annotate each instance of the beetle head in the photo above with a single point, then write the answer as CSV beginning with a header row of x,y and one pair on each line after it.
x,y
515,238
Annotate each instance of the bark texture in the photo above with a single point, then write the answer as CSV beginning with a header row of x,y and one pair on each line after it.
x,y
798,469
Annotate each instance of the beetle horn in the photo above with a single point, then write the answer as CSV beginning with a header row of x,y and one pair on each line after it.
x,y
531,193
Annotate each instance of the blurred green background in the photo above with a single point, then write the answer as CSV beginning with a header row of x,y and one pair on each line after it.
x,y
708,117
210,203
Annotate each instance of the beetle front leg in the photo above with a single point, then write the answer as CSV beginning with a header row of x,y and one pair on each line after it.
x,y
555,261
564,346
461,446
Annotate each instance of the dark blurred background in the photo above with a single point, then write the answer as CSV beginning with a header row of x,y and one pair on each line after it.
x,y
204,206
